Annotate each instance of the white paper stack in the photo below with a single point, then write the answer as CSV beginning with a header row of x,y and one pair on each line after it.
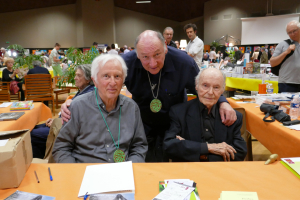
x,y
233,195
115,177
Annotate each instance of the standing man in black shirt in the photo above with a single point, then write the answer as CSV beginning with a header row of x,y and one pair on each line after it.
x,y
168,35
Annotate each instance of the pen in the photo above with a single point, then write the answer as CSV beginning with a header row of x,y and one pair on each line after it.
x,y
36,177
85,196
51,179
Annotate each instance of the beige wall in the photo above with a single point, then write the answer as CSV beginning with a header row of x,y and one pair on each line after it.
x,y
130,24
39,28
237,8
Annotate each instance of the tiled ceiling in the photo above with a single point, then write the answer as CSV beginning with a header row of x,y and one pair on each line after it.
x,y
177,10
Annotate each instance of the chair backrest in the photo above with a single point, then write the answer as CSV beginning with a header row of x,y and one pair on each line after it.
x,y
53,133
246,135
4,91
38,85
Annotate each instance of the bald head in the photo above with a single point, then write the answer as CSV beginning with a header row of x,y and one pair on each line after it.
x,y
292,29
151,50
218,74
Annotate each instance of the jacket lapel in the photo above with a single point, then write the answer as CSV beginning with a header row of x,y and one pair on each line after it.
x,y
193,122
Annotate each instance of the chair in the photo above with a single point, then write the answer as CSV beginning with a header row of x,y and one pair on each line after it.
x,y
4,91
58,91
246,135
39,88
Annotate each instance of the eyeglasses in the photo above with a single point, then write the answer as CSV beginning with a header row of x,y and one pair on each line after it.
x,y
293,32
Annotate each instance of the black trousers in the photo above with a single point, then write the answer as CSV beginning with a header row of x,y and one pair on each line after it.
x,y
288,87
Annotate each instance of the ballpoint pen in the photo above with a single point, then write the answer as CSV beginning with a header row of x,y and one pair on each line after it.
x,y
36,177
85,196
51,179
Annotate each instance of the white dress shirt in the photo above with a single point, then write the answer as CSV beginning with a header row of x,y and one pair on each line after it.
x,y
195,48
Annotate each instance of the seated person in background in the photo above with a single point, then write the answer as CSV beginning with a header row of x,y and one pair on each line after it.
x,y
105,126
9,75
37,68
197,132
205,57
40,132
264,56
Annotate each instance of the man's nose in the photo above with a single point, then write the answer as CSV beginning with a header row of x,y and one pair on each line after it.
x,y
152,62
112,81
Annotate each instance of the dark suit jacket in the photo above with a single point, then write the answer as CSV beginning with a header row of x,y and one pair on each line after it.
x,y
185,122
38,70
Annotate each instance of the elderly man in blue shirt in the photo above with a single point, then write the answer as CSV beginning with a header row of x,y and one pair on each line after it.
x,y
157,78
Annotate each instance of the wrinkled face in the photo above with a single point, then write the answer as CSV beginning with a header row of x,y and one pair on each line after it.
x,y
210,87
151,54
168,35
293,31
191,33
80,80
9,64
110,80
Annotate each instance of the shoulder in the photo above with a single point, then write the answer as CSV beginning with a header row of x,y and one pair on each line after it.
x,y
179,57
128,101
184,107
84,99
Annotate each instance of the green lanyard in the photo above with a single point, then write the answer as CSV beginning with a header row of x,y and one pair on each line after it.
x,y
106,123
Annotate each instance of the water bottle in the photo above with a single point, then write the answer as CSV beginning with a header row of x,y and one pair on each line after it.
x,y
294,107
270,88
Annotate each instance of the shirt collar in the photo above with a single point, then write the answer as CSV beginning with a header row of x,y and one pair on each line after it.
x,y
194,39
120,102
203,107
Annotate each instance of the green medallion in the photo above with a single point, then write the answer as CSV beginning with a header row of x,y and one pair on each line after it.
x,y
119,156
155,105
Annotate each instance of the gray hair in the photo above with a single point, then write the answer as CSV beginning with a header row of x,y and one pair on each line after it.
x,y
102,59
36,63
158,35
197,79
293,22
86,69
168,28
263,48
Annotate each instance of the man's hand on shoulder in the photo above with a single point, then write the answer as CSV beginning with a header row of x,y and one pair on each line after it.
x,y
292,47
227,113
65,112
222,149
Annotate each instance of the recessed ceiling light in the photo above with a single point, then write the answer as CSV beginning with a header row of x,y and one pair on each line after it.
x,y
143,2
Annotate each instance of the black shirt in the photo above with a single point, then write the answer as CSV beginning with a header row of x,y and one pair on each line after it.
x,y
208,123
172,44
6,78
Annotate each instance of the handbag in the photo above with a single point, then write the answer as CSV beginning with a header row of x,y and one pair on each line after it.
x,y
272,110
275,69
13,87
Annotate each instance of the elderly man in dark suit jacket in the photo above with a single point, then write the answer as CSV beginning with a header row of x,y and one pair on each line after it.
x,y
197,132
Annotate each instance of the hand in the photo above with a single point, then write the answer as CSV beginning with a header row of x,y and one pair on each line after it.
x,y
49,122
292,47
222,149
179,138
65,113
16,71
227,113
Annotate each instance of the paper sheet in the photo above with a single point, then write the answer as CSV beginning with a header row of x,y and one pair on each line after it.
x,y
174,191
233,195
4,105
107,178
3,142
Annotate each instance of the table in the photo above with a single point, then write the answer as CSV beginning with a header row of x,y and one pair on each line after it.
x,y
272,181
275,137
248,84
39,113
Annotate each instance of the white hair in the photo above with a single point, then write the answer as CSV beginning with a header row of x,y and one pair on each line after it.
x,y
197,79
295,22
102,59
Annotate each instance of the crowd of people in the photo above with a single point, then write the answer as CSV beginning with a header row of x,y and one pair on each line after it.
x,y
157,124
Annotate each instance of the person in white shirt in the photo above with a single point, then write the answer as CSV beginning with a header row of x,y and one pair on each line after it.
x,y
213,55
113,50
54,60
195,45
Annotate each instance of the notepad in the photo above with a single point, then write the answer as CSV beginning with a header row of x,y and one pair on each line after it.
x,y
236,195
293,163
115,177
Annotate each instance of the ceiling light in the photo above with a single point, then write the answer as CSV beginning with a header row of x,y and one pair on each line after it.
x,y
143,2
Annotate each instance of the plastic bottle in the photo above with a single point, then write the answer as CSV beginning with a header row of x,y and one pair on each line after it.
x,y
270,88
294,108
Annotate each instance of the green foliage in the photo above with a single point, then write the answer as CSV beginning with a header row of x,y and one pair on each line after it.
x,y
77,58
17,47
216,45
